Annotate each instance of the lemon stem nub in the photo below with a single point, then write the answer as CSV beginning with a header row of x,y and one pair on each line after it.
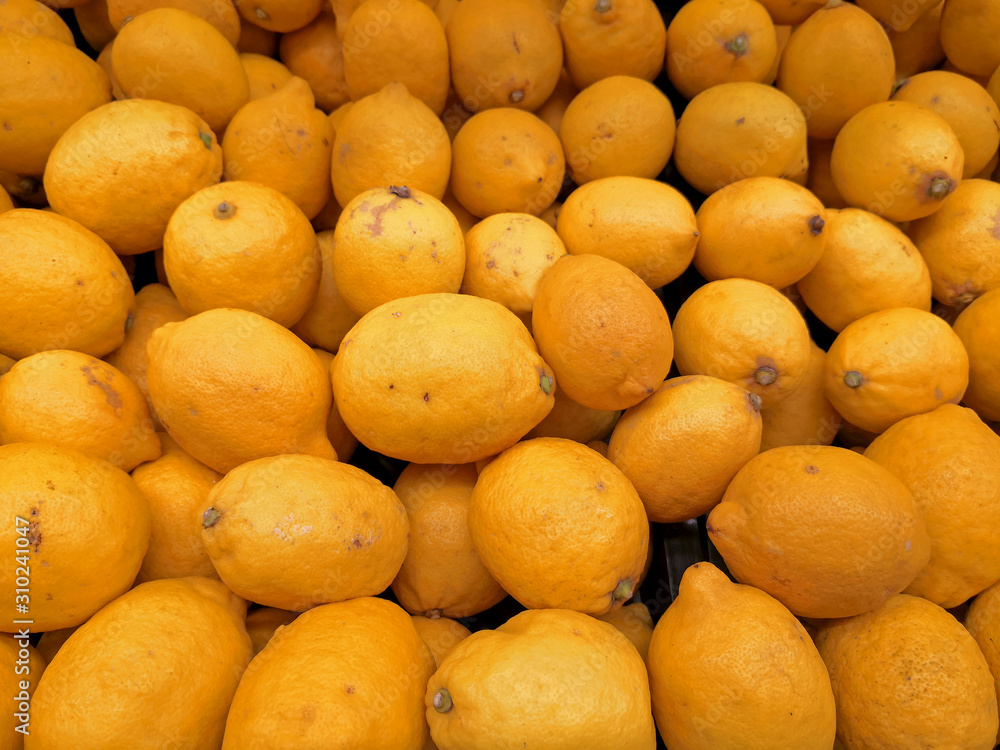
x,y
442,701
400,191
516,96
206,138
210,518
602,6
816,224
852,379
224,210
546,383
940,188
765,375
755,401
433,614
261,14
622,591
738,45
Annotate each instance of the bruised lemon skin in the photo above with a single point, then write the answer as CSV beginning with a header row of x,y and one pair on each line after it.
x,y
73,400
394,242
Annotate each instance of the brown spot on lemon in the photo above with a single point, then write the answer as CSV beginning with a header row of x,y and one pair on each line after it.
x,y
34,535
110,394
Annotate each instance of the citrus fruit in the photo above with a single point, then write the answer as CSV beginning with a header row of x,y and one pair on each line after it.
x,y
442,573
281,140
504,53
761,228
396,242
605,334
231,386
146,637
123,169
242,245
550,678
605,38
70,399
63,287
745,332
681,446
976,327
559,526
909,675
742,44
506,160
174,56
893,364
950,461
86,527
422,378
175,486
350,529
647,226
825,531
319,678
896,159
726,657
